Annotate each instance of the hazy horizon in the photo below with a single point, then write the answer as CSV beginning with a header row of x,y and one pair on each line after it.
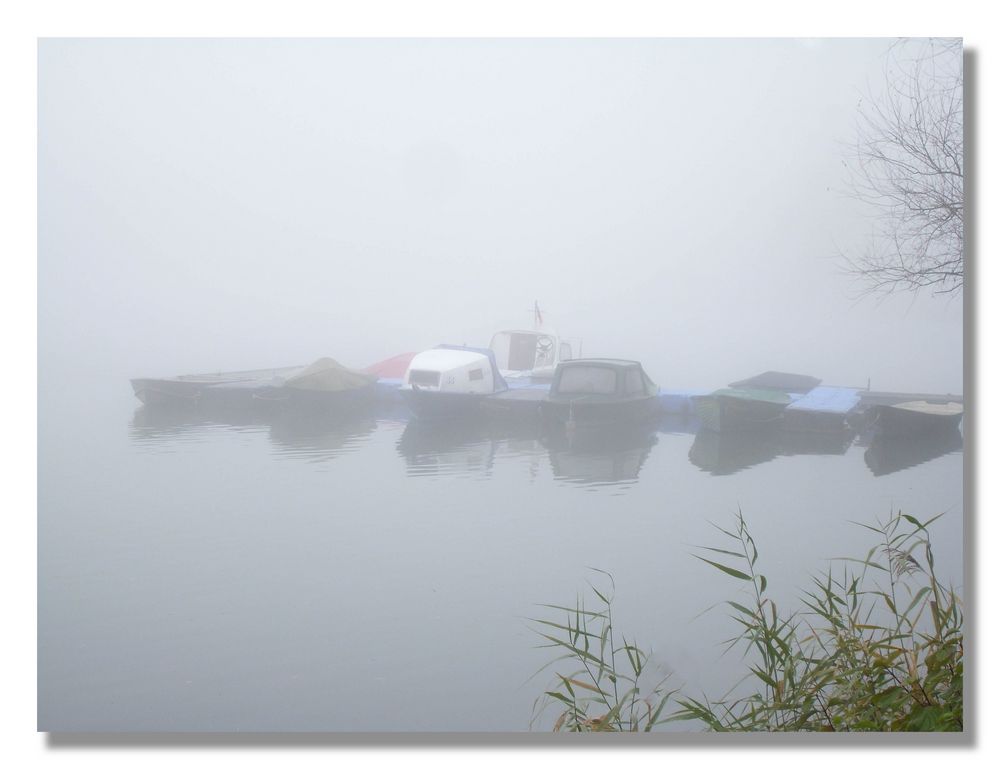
x,y
263,559
223,204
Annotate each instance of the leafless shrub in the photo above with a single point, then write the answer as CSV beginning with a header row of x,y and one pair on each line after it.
x,y
907,163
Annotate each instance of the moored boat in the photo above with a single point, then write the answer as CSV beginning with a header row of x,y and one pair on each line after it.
x,y
189,388
600,391
529,354
322,385
740,409
450,381
913,418
521,404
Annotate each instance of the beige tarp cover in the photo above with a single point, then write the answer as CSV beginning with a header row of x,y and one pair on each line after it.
x,y
326,375
938,409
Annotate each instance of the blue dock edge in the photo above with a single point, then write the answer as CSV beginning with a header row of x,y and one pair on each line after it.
x,y
671,401
387,390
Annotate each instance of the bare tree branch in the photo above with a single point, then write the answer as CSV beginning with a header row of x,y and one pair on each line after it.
x,y
907,163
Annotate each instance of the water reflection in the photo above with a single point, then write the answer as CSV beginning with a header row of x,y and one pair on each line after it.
x,y
729,452
835,443
311,436
472,448
889,455
464,447
161,427
679,424
317,438
600,456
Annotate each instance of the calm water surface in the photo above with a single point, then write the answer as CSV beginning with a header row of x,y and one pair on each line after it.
x,y
199,573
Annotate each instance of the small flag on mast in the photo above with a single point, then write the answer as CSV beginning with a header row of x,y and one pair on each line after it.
x,y
538,314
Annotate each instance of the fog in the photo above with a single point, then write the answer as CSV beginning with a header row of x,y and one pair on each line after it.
x,y
215,204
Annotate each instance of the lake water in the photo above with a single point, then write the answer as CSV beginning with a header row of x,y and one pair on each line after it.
x,y
366,574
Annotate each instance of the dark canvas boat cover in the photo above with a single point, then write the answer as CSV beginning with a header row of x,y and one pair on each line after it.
x,y
779,380
326,375
749,394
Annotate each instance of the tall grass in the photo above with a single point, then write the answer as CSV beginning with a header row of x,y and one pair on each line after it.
x,y
878,647
603,688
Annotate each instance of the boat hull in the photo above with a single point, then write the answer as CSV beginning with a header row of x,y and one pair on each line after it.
x,y
315,400
266,391
895,422
158,392
429,404
190,388
523,405
582,412
723,414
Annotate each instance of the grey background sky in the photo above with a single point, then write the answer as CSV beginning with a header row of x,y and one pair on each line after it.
x,y
213,204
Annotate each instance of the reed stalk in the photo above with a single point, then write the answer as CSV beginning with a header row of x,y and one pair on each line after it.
x,y
878,647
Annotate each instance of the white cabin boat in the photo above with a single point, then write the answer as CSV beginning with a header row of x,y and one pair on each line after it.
x,y
450,381
530,354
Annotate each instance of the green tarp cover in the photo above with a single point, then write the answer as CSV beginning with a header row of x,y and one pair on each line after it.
x,y
326,375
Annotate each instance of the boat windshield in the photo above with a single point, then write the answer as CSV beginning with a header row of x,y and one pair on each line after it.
x,y
523,350
587,379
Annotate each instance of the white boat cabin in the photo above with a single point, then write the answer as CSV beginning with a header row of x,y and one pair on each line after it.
x,y
452,371
529,353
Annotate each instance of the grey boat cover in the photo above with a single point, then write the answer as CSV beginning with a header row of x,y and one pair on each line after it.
x,y
778,380
326,375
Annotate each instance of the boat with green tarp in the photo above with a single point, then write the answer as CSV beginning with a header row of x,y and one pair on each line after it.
x,y
734,408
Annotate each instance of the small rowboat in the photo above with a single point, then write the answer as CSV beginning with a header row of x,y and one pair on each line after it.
x,y
916,418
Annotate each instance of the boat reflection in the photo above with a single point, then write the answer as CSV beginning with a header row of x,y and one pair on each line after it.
x,y
309,435
464,446
887,454
729,452
726,453
833,443
474,447
600,455
320,438
166,423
